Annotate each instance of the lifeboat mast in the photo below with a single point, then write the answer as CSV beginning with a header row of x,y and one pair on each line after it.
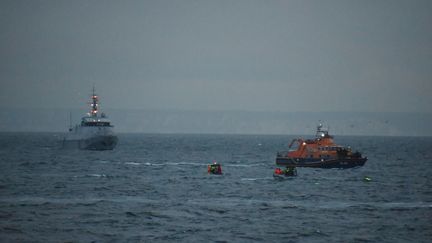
x,y
322,133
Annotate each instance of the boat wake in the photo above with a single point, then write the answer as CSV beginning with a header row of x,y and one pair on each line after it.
x,y
257,179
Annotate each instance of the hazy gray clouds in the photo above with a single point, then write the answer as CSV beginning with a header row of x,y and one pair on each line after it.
x,y
218,55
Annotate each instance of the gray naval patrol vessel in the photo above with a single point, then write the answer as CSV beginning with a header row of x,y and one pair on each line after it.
x,y
95,131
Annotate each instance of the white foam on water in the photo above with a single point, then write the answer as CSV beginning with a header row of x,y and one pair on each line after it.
x,y
96,175
132,163
256,179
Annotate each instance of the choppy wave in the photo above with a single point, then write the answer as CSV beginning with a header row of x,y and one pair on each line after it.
x,y
150,189
223,201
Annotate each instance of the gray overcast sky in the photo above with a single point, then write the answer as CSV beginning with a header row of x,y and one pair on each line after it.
x,y
218,55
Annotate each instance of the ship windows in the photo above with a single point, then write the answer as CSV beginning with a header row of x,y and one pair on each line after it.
x,y
96,124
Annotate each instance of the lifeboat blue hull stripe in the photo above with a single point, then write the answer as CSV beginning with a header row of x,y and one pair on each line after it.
x,y
318,163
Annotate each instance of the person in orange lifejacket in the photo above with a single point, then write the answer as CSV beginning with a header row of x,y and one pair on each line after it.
x,y
278,171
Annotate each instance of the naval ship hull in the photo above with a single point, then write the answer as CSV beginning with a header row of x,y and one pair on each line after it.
x,y
107,142
342,163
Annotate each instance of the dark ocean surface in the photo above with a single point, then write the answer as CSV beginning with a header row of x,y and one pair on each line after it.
x,y
155,188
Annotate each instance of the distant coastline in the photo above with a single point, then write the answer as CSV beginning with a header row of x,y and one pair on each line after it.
x,y
225,122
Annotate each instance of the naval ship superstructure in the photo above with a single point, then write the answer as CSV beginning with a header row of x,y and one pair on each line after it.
x,y
95,131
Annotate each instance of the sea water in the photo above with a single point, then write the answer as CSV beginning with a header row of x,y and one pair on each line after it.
x,y
155,188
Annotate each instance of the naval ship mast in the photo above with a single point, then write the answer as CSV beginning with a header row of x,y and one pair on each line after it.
x,y
94,104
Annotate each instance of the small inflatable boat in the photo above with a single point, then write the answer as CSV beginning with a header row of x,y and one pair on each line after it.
x,y
214,168
288,172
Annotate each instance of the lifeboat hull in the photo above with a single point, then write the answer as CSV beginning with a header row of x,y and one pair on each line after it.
x,y
343,163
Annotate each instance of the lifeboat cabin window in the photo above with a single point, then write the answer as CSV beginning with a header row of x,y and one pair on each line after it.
x,y
294,147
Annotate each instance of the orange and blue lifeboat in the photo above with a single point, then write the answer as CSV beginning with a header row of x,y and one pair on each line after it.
x,y
320,152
